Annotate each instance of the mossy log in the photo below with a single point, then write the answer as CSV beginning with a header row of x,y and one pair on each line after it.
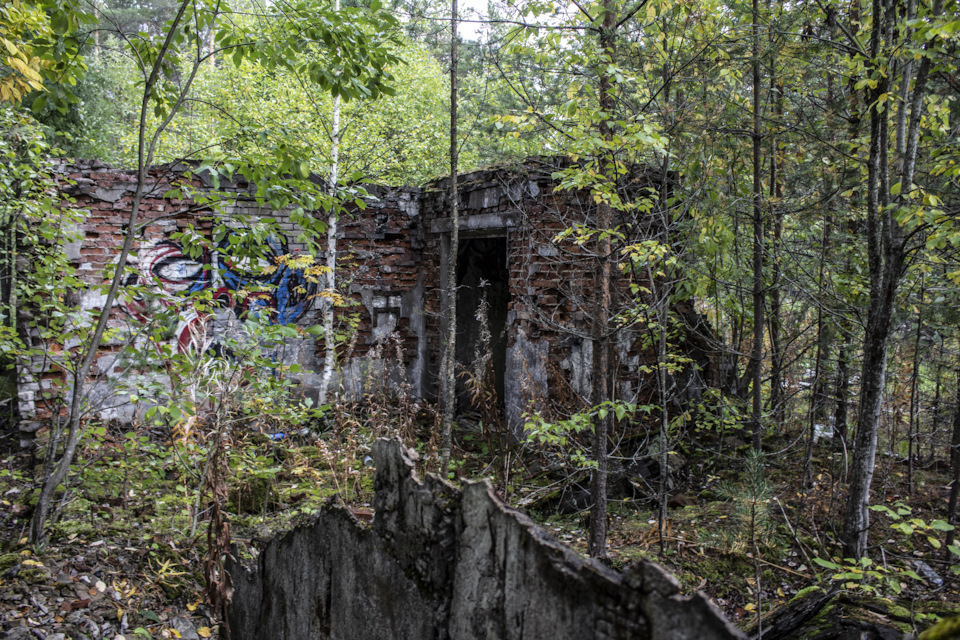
x,y
817,614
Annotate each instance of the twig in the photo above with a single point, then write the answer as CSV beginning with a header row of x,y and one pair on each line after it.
x,y
792,531
790,571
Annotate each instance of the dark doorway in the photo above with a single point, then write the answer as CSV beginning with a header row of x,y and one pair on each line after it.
x,y
481,274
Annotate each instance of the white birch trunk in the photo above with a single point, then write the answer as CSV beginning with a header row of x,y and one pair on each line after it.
x,y
330,355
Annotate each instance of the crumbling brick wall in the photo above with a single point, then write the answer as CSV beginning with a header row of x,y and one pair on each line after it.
x,y
551,285
393,269
440,563
104,196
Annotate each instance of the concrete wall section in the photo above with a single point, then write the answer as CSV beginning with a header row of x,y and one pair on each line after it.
x,y
439,563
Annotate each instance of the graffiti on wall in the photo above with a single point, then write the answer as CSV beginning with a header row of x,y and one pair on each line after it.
x,y
165,275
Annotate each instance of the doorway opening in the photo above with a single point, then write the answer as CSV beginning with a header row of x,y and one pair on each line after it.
x,y
482,276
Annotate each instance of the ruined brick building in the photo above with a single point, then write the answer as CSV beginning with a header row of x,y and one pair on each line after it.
x,y
537,290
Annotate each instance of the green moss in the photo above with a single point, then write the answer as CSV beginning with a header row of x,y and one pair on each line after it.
x,y
34,575
946,629
825,618
896,610
7,560
803,593
80,527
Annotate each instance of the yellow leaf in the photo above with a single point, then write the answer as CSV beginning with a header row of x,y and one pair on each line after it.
x,y
204,632
749,606
174,633
781,593
193,607
119,615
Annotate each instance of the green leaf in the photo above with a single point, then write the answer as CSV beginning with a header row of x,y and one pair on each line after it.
x,y
849,575
149,615
826,564
941,525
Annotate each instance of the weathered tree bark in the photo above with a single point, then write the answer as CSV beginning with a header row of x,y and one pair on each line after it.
x,y
449,374
756,355
886,252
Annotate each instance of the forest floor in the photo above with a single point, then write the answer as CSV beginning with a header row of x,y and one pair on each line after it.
x,y
125,556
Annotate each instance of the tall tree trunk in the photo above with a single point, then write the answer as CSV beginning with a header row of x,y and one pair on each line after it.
x,y
935,408
96,30
449,380
816,400
777,400
913,426
8,305
597,541
886,254
756,356
842,393
817,390
329,343
955,470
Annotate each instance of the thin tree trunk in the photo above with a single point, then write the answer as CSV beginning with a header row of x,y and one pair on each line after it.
x,y
815,401
663,293
597,540
8,302
912,428
935,408
873,375
145,150
842,393
756,356
450,358
886,254
777,400
329,343
96,31
955,469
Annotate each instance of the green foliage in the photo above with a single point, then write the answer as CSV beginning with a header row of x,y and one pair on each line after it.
x,y
751,497
36,227
39,50
866,575
562,434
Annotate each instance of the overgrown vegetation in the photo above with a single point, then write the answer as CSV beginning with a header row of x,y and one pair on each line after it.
x,y
821,135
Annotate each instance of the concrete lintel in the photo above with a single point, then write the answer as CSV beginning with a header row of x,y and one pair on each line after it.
x,y
477,222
